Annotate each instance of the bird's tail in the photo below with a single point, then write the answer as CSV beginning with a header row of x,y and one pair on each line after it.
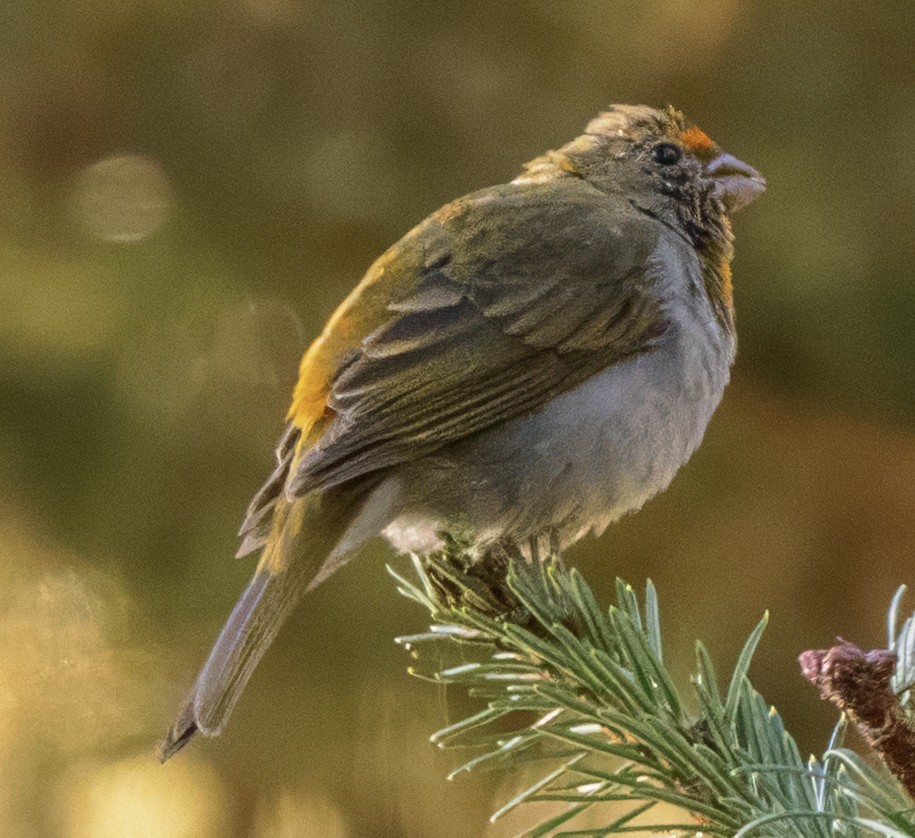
x,y
305,533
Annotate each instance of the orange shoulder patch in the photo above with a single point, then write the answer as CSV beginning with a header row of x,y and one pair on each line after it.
x,y
354,318
363,311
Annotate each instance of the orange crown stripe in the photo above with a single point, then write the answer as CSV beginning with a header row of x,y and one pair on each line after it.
x,y
695,139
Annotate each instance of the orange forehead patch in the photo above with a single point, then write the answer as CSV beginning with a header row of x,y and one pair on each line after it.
x,y
696,140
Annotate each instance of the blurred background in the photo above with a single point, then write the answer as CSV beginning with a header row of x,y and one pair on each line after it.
x,y
187,189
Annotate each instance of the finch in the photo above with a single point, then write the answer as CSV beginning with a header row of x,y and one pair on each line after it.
x,y
532,361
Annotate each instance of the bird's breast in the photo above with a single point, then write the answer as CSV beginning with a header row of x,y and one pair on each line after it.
x,y
587,458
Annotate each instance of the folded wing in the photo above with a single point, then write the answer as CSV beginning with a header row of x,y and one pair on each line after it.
x,y
520,294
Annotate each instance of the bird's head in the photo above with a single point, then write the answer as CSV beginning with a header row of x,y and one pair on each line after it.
x,y
663,164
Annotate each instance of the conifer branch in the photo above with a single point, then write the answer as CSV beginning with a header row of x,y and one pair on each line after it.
x,y
581,697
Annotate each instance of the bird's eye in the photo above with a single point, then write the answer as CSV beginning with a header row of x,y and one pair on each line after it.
x,y
666,154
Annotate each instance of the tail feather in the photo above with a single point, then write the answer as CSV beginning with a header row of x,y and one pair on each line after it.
x,y
305,539
179,734
251,628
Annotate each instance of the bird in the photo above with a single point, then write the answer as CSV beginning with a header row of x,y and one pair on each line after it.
x,y
532,361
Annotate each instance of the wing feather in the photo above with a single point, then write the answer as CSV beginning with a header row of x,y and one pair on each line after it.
x,y
492,328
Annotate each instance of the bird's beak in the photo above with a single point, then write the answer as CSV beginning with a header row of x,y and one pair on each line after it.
x,y
734,182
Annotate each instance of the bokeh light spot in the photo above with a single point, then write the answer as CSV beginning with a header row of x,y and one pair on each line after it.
x,y
138,797
124,198
295,815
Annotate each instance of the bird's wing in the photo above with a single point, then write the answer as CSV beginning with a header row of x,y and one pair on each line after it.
x,y
495,305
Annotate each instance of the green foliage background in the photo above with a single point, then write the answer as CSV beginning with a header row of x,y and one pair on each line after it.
x,y
288,142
